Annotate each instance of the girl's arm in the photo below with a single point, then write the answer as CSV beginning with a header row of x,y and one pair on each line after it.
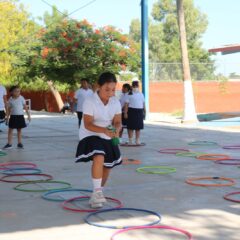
x,y
126,110
8,113
89,125
27,111
117,123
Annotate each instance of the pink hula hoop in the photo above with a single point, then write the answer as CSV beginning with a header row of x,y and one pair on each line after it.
x,y
7,165
189,235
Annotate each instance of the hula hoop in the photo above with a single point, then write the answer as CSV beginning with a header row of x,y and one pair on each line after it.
x,y
27,171
2,154
119,204
189,154
144,170
231,161
129,161
227,197
172,150
4,178
202,143
47,195
86,219
233,147
191,181
5,166
132,145
213,157
189,235
19,187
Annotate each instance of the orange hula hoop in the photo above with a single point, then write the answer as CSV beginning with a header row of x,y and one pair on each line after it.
x,y
213,157
191,181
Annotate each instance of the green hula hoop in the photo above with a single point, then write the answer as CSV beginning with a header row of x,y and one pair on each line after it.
x,y
20,187
2,154
189,154
202,143
146,171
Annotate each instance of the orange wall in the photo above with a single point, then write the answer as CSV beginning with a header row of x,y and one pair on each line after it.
x,y
168,97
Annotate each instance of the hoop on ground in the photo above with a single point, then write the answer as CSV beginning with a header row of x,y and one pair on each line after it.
x,y
232,147
184,232
228,197
22,171
231,161
132,145
20,187
5,178
192,181
87,218
189,154
2,154
129,161
173,150
64,204
213,157
10,165
146,171
48,195
202,143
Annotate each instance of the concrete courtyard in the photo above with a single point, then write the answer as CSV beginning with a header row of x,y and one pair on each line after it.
x,y
50,142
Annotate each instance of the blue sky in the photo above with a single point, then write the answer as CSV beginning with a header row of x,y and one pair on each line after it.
x,y
223,17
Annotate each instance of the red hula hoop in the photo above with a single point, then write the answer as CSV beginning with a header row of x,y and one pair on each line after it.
x,y
213,157
4,166
227,197
189,235
118,202
4,178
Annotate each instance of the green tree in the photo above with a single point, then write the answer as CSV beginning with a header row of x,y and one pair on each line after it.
x,y
164,38
71,50
15,26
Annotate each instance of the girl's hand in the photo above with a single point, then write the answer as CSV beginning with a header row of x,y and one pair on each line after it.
x,y
29,118
125,115
109,133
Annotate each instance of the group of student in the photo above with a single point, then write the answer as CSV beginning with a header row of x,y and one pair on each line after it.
x,y
98,113
12,113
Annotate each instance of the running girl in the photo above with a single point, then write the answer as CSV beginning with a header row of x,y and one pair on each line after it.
x,y
134,112
100,111
15,110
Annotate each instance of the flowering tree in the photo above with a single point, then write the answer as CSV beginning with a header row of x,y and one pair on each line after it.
x,y
75,49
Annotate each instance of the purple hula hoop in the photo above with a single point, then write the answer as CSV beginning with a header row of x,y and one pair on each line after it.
x,y
233,147
189,235
232,161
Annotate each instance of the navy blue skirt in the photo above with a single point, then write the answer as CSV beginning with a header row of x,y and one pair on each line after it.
x,y
17,122
135,119
93,145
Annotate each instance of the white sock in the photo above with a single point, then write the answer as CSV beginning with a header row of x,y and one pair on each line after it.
x,y
130,140
97,184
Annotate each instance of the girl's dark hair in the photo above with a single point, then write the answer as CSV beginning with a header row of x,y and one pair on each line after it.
x,y
135,84
106,77
13,88
84,80
127,86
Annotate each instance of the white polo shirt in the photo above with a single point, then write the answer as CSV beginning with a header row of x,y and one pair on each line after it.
x,y
102,114
3,93
81,94
123,98
136,100
17,105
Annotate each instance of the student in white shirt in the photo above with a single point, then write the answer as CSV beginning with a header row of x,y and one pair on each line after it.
x,y
15,110
134,112
126,88
100,111
80,96
3,103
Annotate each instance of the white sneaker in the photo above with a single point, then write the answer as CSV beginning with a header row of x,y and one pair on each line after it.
x,y
97,199
138,142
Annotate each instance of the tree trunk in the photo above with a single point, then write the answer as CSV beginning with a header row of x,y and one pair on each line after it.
x,y
56,95
189,105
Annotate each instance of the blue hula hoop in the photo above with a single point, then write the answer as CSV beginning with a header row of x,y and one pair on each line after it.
x,y
86,219
46,195
27,171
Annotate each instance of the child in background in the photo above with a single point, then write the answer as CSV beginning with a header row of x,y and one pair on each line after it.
x,y
15,110
134,112
100,111
126,88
